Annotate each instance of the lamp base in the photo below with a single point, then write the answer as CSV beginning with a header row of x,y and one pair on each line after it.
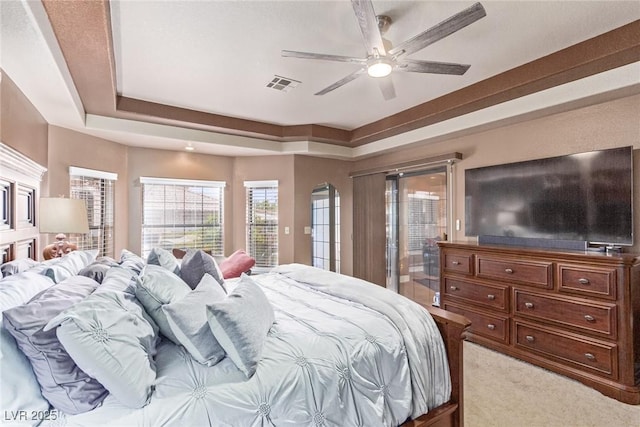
x,y
59,248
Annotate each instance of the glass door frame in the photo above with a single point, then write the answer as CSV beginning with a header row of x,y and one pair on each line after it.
x,y
392,212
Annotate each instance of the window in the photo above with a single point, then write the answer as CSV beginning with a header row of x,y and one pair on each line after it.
x,y
178,213
262,222
97,189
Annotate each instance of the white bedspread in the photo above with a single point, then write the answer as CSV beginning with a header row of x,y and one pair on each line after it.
x,y
342,352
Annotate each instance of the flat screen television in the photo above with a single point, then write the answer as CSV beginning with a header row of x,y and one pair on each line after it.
x,y
580,197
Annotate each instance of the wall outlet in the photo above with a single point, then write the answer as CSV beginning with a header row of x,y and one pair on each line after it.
x,y
286,230
457,225
307,230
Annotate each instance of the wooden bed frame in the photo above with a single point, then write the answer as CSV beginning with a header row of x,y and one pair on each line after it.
x,y
19,238
451,414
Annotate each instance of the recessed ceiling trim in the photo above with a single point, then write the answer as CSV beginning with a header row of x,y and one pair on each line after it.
x,y
72,21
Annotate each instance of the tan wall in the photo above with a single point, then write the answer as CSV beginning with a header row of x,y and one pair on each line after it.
x,y
267,168
607,125
181,165
21,125
70,148
309,173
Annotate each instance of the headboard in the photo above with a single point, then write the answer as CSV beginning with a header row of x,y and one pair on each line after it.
x,y
20,179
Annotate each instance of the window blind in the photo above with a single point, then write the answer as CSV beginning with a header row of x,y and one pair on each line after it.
x,y
262,222
97,189
182,214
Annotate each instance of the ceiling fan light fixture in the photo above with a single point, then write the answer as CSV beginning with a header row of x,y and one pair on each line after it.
x,y
379,67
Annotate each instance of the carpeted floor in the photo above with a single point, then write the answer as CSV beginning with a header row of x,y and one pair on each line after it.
x,y
501,391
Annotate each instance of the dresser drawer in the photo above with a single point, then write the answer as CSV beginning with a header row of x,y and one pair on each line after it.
x,y
458,262
588,316
491,296
598,282
494,327
570,349
533,273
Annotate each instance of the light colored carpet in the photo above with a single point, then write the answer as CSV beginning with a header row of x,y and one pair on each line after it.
x,y
501,391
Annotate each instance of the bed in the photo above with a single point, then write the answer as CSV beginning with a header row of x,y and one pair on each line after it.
x,y
338,352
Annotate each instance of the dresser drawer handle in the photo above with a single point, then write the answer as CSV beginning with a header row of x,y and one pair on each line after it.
x,y
491,326
491,297
589,318
508,270
583,281
530,338
453,288
590,356
455,262
528,304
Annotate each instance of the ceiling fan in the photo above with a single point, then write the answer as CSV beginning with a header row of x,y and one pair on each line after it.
x,y
382,58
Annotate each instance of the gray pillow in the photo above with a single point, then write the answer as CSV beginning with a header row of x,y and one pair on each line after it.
x,y
62,383
17,266
164,258
240,323
108,336
188,321
195,264
158,286
131,261
69,265
96,271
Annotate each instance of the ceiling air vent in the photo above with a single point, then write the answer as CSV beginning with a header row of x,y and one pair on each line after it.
x,y
283,84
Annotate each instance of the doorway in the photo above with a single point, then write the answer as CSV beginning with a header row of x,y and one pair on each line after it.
x,y
325,227
416,208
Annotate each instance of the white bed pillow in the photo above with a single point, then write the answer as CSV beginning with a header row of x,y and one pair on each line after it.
x,y
240,323
158,286
19,389
164,258
188,321
108,336
69,265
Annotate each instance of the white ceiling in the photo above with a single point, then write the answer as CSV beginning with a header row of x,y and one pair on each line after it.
x,y
218,56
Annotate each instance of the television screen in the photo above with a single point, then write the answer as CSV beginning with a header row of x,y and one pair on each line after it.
x,y
581,197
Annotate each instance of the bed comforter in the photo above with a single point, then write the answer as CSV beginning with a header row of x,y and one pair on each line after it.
x,y
341,353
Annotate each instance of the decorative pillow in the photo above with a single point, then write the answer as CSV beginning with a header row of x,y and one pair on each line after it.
x,y
237,263
109,338
17,266
19,389
158,286
195,264
96,271
240,324
131,261
188,321
70,264
62,383
164,258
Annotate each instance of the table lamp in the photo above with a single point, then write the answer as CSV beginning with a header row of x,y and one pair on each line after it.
x,y
61,215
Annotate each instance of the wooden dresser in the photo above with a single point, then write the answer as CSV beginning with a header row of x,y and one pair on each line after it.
x,y
574,313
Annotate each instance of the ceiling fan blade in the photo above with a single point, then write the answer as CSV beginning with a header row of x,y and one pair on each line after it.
x,y
342,81
322,56
440,31
368,23
432,67
386,86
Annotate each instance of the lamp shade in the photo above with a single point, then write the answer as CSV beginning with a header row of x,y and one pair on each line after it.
x,y
61,215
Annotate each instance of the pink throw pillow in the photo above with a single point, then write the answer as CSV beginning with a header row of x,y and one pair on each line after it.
x,y
236,264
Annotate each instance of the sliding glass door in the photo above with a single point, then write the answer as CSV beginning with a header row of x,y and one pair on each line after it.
x,y
416,220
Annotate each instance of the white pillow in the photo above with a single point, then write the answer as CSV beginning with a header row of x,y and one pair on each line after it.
x,y
158,286
19,389
108,336
188,321
240,323
69,265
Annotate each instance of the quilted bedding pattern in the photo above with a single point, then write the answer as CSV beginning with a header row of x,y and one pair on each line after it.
x,y
340,353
